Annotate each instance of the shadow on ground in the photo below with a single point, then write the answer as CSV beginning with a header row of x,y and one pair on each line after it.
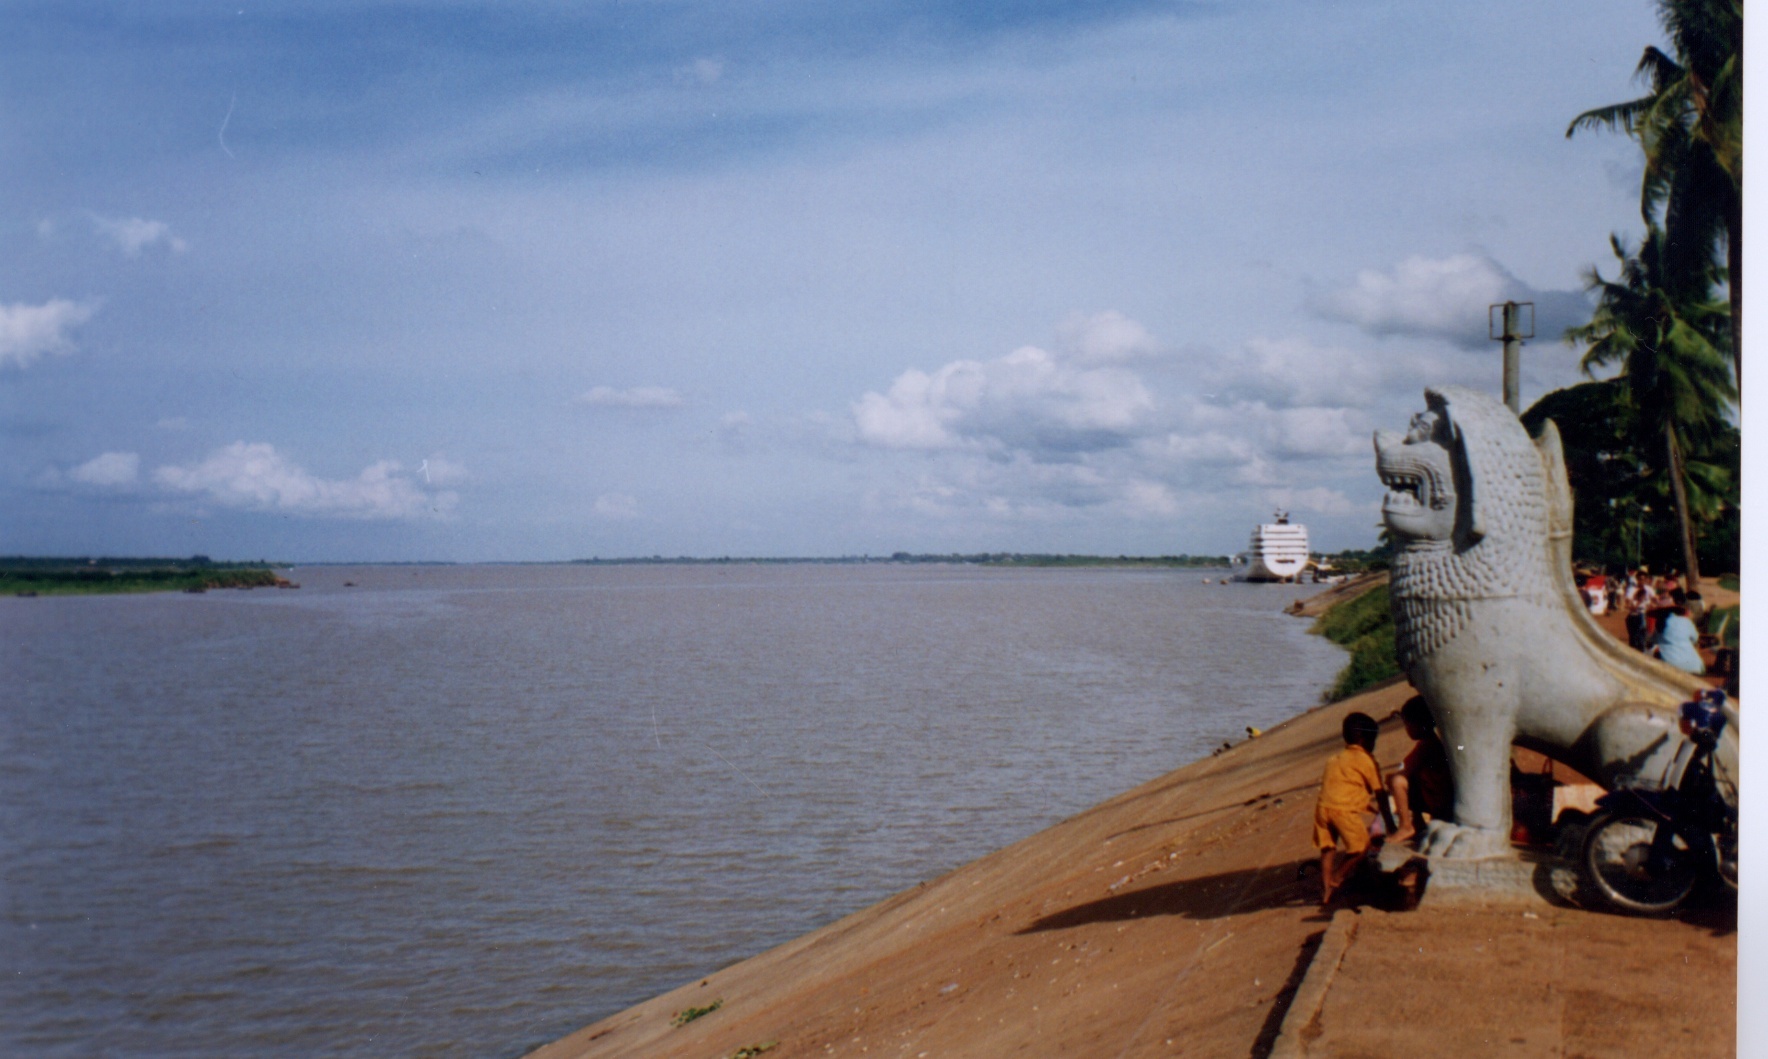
x,y
1205,897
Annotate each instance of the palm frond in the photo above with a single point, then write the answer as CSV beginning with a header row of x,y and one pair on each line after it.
x,y
1618,117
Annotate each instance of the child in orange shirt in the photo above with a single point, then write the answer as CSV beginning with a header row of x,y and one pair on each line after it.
x,y
1341,815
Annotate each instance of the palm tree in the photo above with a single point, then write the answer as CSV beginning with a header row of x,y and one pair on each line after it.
x,y
1690,126
1669,345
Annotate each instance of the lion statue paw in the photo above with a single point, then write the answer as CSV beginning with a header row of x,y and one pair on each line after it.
x,y
1456,842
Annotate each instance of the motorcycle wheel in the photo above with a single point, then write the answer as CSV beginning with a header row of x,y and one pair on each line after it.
x,y
1621,864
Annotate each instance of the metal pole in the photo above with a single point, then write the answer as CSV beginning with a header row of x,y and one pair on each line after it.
x,y
1512,359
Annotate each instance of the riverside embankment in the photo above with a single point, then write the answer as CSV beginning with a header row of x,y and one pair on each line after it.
x,y
1172,920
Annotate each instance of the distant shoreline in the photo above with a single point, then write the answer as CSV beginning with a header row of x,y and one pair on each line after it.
x,y
971,559
85,576
11,564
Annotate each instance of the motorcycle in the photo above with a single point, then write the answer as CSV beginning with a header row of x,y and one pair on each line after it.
x,y
1647,848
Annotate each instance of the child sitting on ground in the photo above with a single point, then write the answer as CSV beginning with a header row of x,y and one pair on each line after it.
x,y
1342,813
1424,784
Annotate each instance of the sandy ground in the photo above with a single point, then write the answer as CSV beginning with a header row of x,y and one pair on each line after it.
x,y
1551,982
1716,597
1171,921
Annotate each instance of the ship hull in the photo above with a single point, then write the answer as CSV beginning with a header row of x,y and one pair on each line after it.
x,y
1278,551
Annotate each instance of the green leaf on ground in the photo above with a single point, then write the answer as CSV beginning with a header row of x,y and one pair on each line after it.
x,y
687,1015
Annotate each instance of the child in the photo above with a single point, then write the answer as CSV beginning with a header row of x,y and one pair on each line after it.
x,y
1424,783
1341,815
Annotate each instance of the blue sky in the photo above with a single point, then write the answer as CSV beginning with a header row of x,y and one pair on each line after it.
x,y
547,280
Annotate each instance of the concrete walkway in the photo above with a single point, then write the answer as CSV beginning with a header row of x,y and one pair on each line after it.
x,y
1180,919
1463,979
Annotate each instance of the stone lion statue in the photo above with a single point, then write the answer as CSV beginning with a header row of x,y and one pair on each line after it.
x,y
1490,629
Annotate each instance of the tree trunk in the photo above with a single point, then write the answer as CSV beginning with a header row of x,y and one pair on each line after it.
x,y
1684,523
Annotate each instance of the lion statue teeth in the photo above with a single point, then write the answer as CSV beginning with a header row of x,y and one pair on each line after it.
x,y
1489,627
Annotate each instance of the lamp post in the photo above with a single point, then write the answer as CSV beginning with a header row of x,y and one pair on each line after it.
x,y
1507,323
1639,534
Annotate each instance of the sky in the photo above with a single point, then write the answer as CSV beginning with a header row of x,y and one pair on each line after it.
x,y
540,280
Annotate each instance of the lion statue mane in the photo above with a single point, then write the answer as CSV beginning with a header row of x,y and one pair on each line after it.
x,y
1491,631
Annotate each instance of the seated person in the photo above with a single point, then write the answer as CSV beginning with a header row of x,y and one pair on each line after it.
x,y
1424,785
1677,641
1342,814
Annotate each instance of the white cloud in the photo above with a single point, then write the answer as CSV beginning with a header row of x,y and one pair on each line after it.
x,y
1316,432
439,470
1209,449
616,506
637,397
1059,438
173,423
1446,298
1105,338
134,234
1255,427
30,331
1150,498
1029,400
255,477
1020,490
1291,371
1320,501
110,468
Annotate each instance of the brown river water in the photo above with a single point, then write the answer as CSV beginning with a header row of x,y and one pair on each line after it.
x,y
461,811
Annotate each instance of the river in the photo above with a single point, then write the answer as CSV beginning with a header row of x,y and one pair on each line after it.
x,y
463,810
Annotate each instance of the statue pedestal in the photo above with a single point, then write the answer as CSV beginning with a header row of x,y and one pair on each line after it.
x,y
1528,877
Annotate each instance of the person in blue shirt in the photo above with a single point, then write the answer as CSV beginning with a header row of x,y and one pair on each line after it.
x,y
1677,641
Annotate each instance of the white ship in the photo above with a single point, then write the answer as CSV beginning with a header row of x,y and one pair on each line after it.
x,y
1278,552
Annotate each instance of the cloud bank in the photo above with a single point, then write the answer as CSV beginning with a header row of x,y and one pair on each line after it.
x,y
108,469
255,477
1030,400
1037,434
1446,298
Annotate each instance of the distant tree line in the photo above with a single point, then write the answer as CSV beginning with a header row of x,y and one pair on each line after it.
x,y
33,575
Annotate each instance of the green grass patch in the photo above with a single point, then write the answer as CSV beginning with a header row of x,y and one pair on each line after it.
x,y
687,1015
750,1051
1729,583
1364,626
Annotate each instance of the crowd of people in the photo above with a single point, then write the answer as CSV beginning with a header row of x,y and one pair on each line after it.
x,y
1658,616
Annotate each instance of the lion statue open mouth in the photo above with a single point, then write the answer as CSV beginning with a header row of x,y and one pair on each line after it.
x,y
1489,627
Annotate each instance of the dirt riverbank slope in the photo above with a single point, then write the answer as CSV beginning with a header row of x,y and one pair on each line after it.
x,y
1171,921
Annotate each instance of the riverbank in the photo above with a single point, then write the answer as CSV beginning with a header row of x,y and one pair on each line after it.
x,y
21,576
1173,919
